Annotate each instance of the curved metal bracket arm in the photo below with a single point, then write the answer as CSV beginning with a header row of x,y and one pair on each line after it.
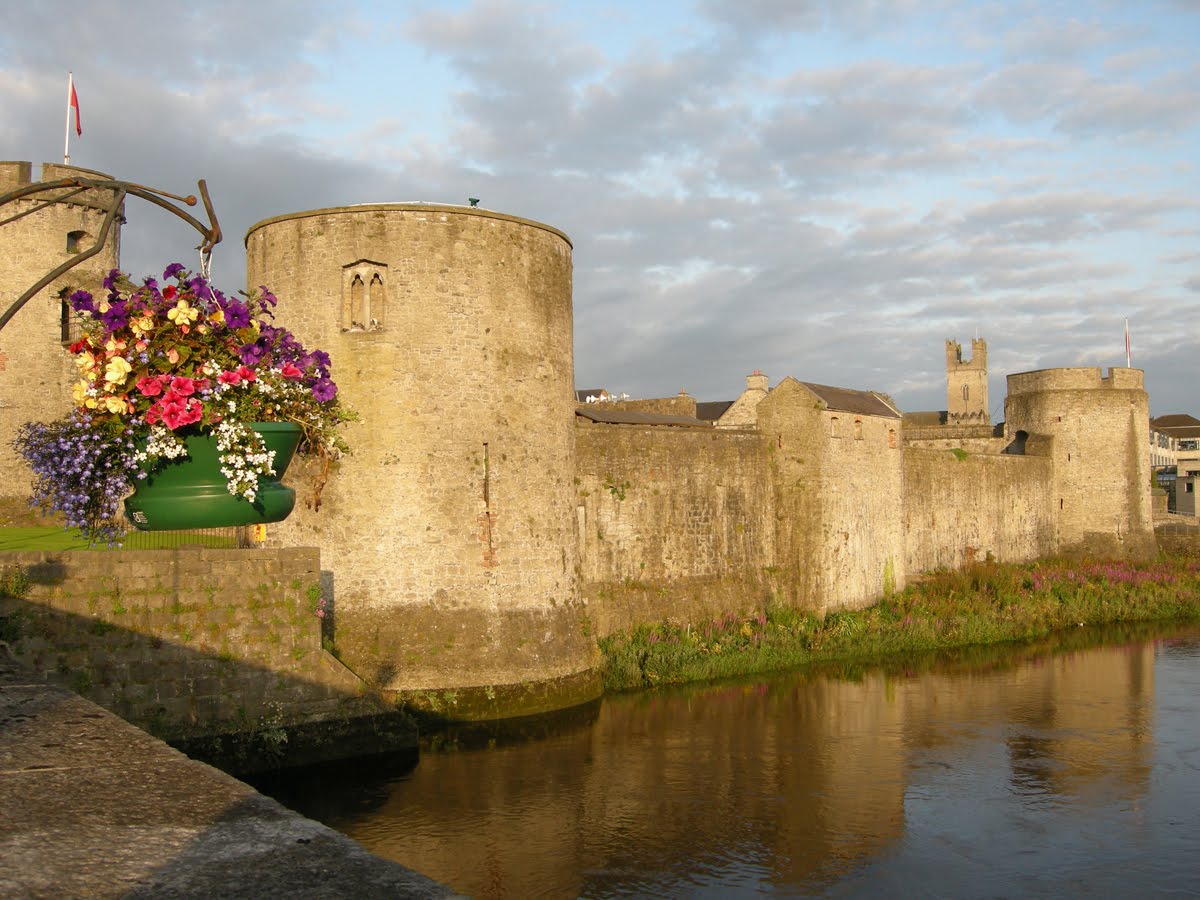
x,y
112,209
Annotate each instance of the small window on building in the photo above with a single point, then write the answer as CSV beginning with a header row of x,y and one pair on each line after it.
x,y
858,429
364,295
1189,487
377,303
966,393
357,290
70,325
891,438
833,426
75,240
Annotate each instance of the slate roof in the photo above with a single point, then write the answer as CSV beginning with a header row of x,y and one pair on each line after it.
x,y
629,417
711,410
864,403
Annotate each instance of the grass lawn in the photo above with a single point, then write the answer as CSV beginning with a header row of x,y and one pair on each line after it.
x,y
58,539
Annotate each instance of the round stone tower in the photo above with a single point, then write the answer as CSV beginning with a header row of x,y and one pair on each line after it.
x,y
35,373
449,532
1098,426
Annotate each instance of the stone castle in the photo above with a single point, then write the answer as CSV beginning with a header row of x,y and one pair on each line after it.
x,y
488,528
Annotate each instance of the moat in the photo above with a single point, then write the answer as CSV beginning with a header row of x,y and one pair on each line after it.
x,y
1070,768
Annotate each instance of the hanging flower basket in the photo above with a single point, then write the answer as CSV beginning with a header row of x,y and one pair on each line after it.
x,y
192,400
193,491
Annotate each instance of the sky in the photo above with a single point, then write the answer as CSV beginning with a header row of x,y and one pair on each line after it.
x,y
826,190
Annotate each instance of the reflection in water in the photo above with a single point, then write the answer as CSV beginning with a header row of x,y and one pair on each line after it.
x,y
981,776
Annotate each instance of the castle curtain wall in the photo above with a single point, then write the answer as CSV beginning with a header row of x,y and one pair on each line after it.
x,y
672,523
961,510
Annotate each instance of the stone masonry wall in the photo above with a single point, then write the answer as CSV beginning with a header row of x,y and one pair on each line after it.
x,y
449,532
838,492
672,523
960,508
680,405
184,643
1101,486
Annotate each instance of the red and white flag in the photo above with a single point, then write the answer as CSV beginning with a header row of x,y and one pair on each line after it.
x,y
72,106
73,103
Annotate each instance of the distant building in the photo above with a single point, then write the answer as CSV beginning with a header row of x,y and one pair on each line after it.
x,y
1184,431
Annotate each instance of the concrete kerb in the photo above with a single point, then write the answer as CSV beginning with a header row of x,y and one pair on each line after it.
x,y
96,807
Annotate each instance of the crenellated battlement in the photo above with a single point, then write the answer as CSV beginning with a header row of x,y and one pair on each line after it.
x,y
14,174
1076,379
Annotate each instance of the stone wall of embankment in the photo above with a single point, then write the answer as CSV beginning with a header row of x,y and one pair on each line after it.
x,y
195,645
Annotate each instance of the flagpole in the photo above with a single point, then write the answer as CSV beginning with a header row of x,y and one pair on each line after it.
x,y
67,131
1128,363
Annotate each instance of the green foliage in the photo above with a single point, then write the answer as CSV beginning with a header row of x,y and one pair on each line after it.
x,y
959,453
985,603
616,488
14,582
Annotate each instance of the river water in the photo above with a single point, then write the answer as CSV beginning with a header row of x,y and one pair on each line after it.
x,y
1071,768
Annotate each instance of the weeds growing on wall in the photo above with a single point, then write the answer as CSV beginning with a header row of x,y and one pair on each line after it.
x,y
986,603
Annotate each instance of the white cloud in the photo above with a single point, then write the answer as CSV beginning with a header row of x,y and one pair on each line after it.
x,y
826,190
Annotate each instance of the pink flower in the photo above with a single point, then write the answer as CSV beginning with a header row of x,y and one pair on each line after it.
x,y
291,372
229,378
185,387
246,373
151,385
178,410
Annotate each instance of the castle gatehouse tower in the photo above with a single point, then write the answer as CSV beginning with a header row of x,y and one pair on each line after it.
x,y
36,373
449,533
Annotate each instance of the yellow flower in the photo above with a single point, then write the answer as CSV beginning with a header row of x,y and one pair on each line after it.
x,y
117,370
89,366
142,325
117,405
80,392
183,314
217,316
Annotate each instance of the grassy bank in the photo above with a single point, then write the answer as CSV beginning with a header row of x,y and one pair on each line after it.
x,y
984,604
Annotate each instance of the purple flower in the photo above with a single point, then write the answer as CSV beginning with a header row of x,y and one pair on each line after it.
x,y
324,390
252,354
81,301
115,317
236,314
172,270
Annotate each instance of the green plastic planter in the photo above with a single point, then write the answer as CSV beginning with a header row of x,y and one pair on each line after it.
x,y
190,492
